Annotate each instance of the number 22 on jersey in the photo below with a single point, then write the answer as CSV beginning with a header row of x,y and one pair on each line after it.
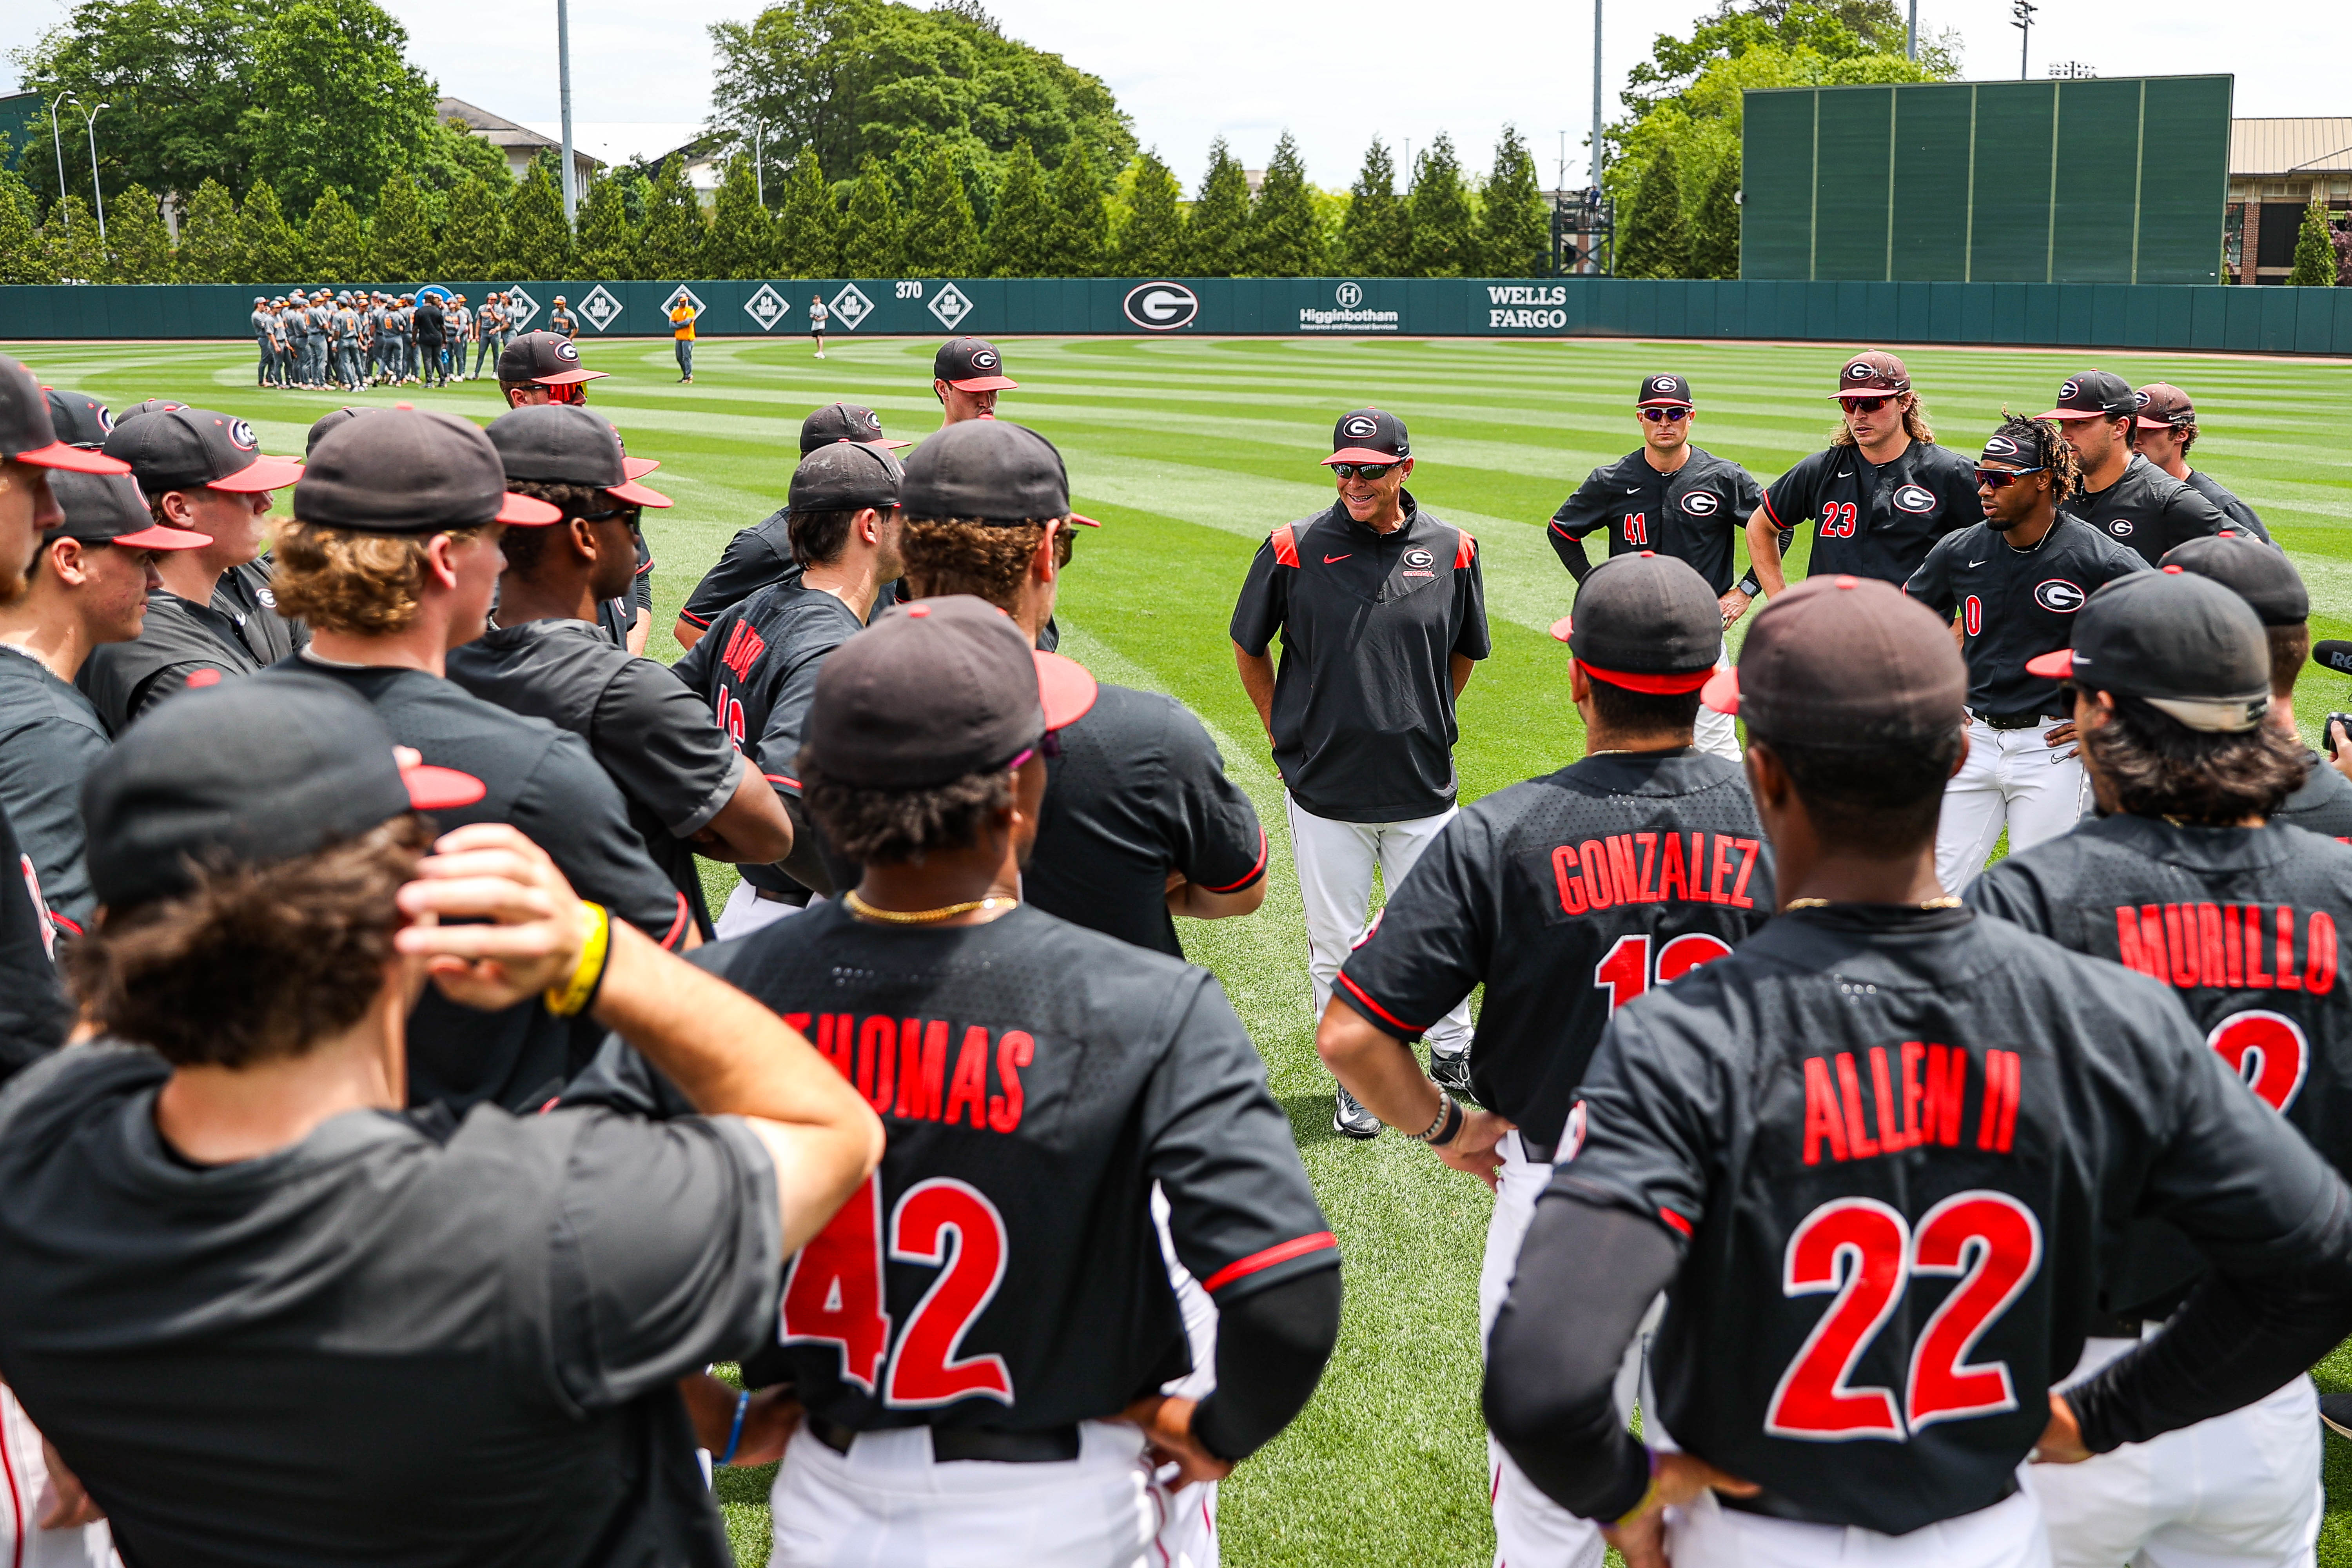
x,y
834,1295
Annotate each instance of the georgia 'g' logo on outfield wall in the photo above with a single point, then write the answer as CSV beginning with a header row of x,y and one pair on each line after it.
x,y
1162,306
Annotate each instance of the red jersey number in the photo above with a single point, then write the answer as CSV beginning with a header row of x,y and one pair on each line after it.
x,y
1972,616
1624,971
1637,528
1837,520
2268,1050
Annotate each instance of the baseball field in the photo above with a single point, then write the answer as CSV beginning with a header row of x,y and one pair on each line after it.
x,y
1189,450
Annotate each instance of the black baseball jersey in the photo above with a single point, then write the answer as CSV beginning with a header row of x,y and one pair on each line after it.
x,y
2239,514
1692,514
181,640
2322,804
1873,520
546,783
2017,604
1569,896
2147,510
243,595
2246,926
1363,698
756,558
35,1012
50,737
650,732
1034,1080
1138,791
1894,1147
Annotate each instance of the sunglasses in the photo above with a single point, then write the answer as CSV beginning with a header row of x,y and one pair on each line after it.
x,y
2001,478
566,392
1665,416
1362,470
1865,404
1049,745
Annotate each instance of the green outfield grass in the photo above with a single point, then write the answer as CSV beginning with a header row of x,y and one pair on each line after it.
x,y
1189,450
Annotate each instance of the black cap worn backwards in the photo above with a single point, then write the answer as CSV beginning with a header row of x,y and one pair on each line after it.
x,y
80,419
549,358
332,419
410,472
1664,392
109,508
844,422
937,690
566,443
971,364
26,434
1369,436
2094,395
149,405
197,449
1796,676
987,470
179,789
2257,572
845,475
1645,622
2179,641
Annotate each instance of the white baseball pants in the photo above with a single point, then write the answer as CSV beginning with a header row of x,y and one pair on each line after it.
x,y
1709,1535
1335,862
1717,733
888,1503
745,912
2012,779
1187,1537
25,1494
2240,1490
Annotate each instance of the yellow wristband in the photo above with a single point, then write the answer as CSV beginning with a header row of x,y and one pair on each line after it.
x,y
1649,1496
569,998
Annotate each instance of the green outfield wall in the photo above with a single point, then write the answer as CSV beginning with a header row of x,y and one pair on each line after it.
x,y
2072,315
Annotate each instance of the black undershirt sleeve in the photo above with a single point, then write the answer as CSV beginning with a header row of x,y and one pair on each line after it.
x,y
1586,1275
1271,1348
1571,555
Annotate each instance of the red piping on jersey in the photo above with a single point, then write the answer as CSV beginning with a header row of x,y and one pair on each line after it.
x,y
779,778
1280,1252
1252,875
1773,515
17,1520
1657,685
1285,540
680,926
697,620
66,924
1465,550
1365,997
1675,1221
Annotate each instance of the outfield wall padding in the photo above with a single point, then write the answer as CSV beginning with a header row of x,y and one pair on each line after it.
x,y
2075,315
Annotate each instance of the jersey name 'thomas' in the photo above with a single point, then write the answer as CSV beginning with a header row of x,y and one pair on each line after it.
x,y
1569,896
1000,1269
1871,520
1692,514
2017,604
1894,1145
2147,510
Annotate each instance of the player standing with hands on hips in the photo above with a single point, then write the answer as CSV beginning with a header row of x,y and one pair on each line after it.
x,y
2123,495
1382,615
1884,1147
1681,501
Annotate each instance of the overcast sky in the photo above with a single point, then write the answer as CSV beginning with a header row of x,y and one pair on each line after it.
x,y
1334,75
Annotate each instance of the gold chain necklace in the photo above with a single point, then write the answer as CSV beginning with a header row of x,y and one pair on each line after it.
x,y
922,917
1947,902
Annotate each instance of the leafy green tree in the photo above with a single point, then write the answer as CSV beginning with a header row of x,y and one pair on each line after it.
x,y
1445,244
1715,228
399,239
210,251
1514,225
2314,252
872,235
608,244
473,237
539,246
70,251
1020,235
1285,235
21,257
1376,235
670,243
1219,225
742,242
1842,30
338,246
809,226
333,100
942,239
1151,240
1079,234
139,247
1654,241
272,252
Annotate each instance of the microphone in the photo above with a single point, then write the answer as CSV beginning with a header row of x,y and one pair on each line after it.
x,y
2335,655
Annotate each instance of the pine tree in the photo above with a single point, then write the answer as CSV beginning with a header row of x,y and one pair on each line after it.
x,y
742,242
1376,236
1286,239
1153,242
273,252
539,246
2314,252
1714,232
1215,234
21,258
942,237
808,228
1654,241
333,238
608,246
210,251
400,236
474,237
1443,242
1022,222
139,244
1513,228
872,232
70,250
1079,231
670,245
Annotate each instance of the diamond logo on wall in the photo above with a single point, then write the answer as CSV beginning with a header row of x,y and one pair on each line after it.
x,y
851,307
767,307
681,293
951,305
520,308
601,308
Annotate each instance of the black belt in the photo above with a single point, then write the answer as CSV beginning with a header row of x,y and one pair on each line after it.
x,y
2026,719
1538,1153
1054,1445
798,898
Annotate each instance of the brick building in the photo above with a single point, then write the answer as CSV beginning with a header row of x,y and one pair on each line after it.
x,y
2278,167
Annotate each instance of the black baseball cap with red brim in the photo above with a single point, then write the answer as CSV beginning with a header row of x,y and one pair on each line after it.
x,y
2177,640
198,448
1645,622
846,421
987,470
550,358
1369,436
565,443
2094,395
109,508
412,471
971,364
1664,392
26,434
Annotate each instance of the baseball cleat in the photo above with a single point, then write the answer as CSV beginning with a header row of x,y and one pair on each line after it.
x,y
1350,1120
2336,1412
1451,1069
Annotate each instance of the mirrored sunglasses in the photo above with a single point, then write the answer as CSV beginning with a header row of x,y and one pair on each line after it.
x,y
2001,478
1665,416
1865,404
1362,470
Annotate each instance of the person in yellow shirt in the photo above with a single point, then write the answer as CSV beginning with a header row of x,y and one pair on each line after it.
x,y
681,327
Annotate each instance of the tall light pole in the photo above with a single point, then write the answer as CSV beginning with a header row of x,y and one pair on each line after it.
x,y
97,196
1596,94
58,144
2022,10
1911,38
758,174
563,85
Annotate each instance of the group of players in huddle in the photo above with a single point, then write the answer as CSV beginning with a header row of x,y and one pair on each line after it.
x,y
1917,1236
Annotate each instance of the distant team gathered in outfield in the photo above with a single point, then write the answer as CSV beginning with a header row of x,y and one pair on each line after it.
x,y
1907,1054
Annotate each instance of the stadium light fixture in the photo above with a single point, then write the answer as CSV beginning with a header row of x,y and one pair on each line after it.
x,y
96,195
2022,12
58,144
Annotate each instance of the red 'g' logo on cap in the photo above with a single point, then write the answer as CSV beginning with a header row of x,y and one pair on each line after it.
x,y
2139,400
1999,447
241,435
567,348
1665,383
2072,389
1360,427
983,359
1858,371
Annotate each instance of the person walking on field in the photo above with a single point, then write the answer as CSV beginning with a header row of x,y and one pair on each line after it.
x,y
1383,613
818,316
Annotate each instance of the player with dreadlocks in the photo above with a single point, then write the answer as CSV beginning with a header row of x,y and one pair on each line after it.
x,y
2014,582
